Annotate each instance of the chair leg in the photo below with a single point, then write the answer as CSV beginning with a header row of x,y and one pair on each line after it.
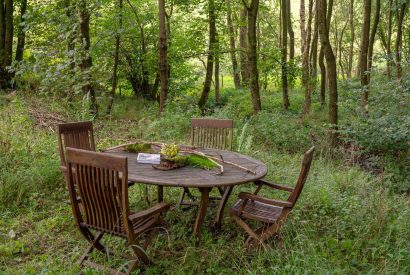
x,y
185,191
91,247
90,237
246,227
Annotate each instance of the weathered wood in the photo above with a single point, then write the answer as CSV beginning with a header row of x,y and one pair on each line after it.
x,y
101,182
272,213
193,177
201,211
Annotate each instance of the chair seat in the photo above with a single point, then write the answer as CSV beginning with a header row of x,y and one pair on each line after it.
x,y
138,225
257,211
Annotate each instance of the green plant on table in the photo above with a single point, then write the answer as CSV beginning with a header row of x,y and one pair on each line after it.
x,y
138,148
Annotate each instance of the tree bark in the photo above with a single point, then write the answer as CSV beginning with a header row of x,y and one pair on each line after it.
x,y
8,39
306,35
340,51
163,60
216,77
210,61
323,75
313,53
331,67
243,42
116,59
252,12
388,42
236,76
2,31
86,60
69,10
21,37
290,32
352,37
372,39
364,46
399,40
284,48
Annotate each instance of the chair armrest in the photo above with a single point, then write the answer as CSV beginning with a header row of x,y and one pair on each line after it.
x,y
274,185
150,211
248,196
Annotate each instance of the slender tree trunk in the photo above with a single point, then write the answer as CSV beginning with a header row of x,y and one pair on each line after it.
x,y
69,10
216,77
290,32
340,51
163,60
284,48
116,58
372,39
399,40
306,34
331,67
388,43
210,60
2,31
364,46
21,40
86,61
8,41
352,37
313,53
236,76
323,74
243,41
252,55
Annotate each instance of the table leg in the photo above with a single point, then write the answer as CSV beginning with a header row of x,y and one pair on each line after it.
x,y
221,207
201,210
160,193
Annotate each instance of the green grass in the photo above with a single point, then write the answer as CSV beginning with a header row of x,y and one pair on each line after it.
x,y
346,220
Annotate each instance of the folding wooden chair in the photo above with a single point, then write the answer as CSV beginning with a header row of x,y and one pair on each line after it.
x,y
209,133
100,181
271,213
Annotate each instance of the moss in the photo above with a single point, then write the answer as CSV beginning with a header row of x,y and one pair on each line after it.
x,y
200,161
138,148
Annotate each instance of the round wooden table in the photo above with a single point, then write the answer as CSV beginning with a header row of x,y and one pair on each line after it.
x,y
204,180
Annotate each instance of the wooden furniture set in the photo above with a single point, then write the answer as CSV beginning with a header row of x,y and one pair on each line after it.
x,y
98,186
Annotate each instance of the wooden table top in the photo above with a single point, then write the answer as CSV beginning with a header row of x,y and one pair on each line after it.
x,y
196,177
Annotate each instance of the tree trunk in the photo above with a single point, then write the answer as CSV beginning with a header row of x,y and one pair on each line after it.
x,y
216,77
243,42
8,41
323,75
352,36
284,48
313,53
306,35
290,32
21,40
163,60
116,58
340,51
210,60
69,10
2,31
252,56
364,46
372,39
236,77
86,60
388,43
331,66
399,40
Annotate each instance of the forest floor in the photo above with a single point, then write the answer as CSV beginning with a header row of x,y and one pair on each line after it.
x,y
347,219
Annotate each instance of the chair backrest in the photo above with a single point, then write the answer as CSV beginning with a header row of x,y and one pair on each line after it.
x,y
100,182
304,171
212,133
78,135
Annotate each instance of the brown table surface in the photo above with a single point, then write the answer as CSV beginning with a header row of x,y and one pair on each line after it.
x,y
194,177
